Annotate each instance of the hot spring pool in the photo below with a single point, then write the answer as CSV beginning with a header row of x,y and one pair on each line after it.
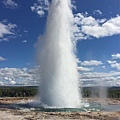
x,y
86,107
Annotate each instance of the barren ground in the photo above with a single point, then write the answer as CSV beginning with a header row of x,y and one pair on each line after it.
x,y
16,114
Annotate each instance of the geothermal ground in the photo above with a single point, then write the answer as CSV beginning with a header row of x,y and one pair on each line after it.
x,y
7,113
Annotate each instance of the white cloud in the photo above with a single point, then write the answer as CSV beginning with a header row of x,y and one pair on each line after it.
x,y
2,59
24,41
40,7
114,64
97,12
78,61
86,26
1,83
84,69
12,82
6,29
111,62
100,78
91,63
116,56
17,76
10,4
92,75
104,67
25,31
25,76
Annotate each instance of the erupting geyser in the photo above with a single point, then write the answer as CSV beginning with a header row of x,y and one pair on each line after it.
x,y
59,85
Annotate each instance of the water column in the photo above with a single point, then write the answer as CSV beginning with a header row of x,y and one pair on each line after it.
x,y
58,73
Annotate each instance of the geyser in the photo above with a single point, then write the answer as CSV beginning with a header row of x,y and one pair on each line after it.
x,y
58,73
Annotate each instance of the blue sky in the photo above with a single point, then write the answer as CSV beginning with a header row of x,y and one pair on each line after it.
x,y
97,34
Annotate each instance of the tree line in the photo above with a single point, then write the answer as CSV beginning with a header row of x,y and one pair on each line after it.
x,y
30,91
24,91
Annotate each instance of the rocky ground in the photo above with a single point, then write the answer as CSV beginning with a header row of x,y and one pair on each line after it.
x,y
7,113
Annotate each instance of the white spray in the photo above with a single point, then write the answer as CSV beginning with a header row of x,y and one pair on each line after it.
x,y
59,85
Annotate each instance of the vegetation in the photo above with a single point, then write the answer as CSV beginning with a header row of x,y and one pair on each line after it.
x,y
29,91
101,92
21,91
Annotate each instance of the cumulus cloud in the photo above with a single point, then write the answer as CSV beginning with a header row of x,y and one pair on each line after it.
x,y
100,78
91,63
40,7
111,62
116,56
84,69
12,82
87,26
92,75
10,4
114,64
25,76
2,59
17,76
6,30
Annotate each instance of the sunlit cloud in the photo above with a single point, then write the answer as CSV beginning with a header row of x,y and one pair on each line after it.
x,y
17,76
91,63
84,69
88,26
2,59
24,41
97,12
7,30
100,78
10,4
116,56
114,64
40,7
